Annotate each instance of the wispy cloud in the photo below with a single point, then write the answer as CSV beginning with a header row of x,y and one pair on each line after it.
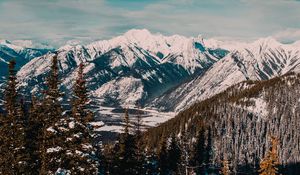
x,y
288,35
57,21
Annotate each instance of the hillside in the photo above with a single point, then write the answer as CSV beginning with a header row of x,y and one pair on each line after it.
x,y
241,119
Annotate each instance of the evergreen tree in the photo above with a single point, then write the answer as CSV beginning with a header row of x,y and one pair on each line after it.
x,y
174,155
163,164
34,134
80,97
208,150
14,158
140,157
199,153
151,164
269,165
52,148
127,159
10,93
81,155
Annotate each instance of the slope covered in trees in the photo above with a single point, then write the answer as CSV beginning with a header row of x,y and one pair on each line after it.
x,y
251,128
237,123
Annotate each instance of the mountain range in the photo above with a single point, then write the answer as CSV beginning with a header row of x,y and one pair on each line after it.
x,y
162,75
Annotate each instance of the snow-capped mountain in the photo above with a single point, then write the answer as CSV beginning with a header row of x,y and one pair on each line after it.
x,y
137,62
164,73
260,60
21,51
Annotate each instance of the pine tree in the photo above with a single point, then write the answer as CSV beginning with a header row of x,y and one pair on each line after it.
x,y
127,162
80,152
34,134
52,148
208,150
80,97
163,164
199,153
174,155
269,165
225,167
14,158
10,93
140,158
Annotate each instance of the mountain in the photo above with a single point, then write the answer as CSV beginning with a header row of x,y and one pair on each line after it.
x,y
138,64
261,60
124,72
162,74
240,121
21,51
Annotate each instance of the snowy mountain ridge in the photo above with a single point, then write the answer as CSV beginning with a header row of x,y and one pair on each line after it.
x,y
261,60
161,73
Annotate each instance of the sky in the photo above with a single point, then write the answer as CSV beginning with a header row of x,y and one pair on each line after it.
x,y
57,22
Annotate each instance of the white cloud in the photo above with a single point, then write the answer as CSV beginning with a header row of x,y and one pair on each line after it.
x,y
288,35
58,21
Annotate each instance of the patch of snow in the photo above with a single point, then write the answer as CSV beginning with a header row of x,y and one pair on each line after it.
x,y
55,149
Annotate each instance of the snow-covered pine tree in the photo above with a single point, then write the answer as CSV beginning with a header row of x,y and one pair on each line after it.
x,y
81,155
53,139
14,158
269,164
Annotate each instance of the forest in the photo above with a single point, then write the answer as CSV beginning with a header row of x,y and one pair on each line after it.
x,y
220,135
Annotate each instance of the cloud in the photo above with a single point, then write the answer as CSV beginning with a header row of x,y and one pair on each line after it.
x,y
288,35
57,21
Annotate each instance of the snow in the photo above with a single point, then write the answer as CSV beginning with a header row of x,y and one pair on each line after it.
x,y
72,124
258,108
55,149
97,124
61,171
127,90
51,129
110,128
246,60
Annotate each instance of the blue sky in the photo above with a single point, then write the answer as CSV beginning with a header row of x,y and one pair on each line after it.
x,y
58,21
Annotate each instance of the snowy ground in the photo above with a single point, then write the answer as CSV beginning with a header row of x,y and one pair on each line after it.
x,y
110,120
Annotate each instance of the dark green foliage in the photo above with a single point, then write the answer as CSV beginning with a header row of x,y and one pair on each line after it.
x,y
199,153
126,159
34,134
163,164
52,144
80,152
80,97
174,155
233,129
14,157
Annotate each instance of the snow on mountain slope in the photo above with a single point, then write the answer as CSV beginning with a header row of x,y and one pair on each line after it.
x,y
158,62
260,60
165,72
20,51
126,71
126,90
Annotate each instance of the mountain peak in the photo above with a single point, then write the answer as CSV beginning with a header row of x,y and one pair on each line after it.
x,y
138,33
268,41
